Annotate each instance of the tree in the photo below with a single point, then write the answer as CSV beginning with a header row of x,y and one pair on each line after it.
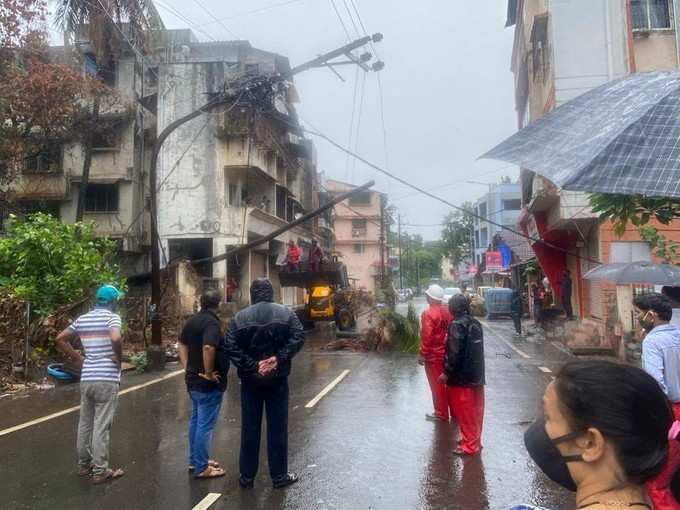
x,y
456,235
106,22
40,101
51,263
639,211
636,209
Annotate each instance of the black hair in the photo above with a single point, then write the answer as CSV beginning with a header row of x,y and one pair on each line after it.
x,y
459,305
672,293
210,298
657,303
626,405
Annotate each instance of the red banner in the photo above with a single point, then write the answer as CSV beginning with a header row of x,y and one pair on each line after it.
x,y
494,261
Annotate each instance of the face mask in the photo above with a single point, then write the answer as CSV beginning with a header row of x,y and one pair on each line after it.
x,y
544,452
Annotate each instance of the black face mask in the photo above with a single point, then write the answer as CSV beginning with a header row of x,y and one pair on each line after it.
x,y
544,452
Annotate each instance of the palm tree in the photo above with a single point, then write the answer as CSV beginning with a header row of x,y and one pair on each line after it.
x,y
110,24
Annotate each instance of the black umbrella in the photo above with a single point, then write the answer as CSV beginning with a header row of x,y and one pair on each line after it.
x,y
641,273
622,137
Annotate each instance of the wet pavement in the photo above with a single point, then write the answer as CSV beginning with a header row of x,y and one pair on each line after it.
x,y
365,445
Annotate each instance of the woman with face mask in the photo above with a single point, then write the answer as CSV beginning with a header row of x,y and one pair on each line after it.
x,y
604,433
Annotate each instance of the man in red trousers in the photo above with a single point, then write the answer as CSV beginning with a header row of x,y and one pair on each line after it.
x,y
434,325
464,374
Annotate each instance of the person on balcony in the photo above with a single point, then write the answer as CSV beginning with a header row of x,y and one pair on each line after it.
x,y
315,257
293,257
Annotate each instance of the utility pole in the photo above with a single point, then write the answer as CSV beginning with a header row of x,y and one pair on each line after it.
x,y
418,272
408,257
155,353
382,241
401,271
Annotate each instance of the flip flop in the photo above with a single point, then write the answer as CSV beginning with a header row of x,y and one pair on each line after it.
x,y
211,463
107,476
211,472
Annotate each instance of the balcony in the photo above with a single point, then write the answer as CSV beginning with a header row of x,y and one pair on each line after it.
x,y
40,186
562,208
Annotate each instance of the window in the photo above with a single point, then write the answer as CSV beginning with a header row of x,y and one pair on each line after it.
x,y
90,65
514,204
360,198
108,74
104,140
624,251
652,15
358,227
101,198
252,69
234,196
47,160
359,248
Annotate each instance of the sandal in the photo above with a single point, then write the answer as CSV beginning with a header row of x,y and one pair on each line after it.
x,y
211,472
84,471
107,476
211,463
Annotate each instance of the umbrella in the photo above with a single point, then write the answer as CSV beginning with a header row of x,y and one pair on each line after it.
x,y
642,273
622,137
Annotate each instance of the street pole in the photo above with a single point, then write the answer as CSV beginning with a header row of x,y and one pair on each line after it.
x,y
382,242
401,272
418,272
155,353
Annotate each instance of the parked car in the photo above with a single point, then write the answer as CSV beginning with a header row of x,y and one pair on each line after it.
x,y
449,292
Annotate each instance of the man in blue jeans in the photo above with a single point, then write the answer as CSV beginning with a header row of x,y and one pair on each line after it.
x,y
206,378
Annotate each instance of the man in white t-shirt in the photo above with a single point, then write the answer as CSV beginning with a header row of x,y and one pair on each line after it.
x,y
99,332
673,293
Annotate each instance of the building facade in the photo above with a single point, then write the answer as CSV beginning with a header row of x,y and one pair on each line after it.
x,y
558,54
224,179
502,204
360,233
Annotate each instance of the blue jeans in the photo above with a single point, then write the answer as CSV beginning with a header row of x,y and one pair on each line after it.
x,y
206,407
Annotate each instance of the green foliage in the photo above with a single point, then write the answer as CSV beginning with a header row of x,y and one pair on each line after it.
x,y
662,247
140,361
51,263
636,209
456,235
406,330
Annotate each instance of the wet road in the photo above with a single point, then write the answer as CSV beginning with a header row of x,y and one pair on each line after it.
x,y
364,445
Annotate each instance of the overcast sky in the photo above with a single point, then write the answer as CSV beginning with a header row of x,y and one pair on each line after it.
x,y
448,94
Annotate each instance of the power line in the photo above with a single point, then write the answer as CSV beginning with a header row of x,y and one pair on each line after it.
x,y
357,136
254,11
351,121
454,183
351,18
186,20
221,23
446,202
337,13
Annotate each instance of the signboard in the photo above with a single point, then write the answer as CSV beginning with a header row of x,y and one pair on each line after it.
x,y
494,261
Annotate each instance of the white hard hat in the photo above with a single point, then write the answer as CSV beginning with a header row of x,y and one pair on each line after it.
x,y
435,292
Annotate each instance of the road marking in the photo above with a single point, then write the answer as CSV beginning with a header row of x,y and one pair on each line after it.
x,y
73,409
545,370
500,337
327,389
207,501
561,348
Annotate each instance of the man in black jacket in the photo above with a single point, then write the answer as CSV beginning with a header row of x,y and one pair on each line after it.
x,y
261,342
464,374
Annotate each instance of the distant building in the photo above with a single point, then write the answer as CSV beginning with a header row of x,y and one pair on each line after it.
x,y
357,225
502,204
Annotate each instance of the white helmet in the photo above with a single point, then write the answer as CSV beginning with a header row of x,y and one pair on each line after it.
x,y
435,292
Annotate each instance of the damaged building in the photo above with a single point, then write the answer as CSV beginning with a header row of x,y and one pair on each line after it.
x,y
225,178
